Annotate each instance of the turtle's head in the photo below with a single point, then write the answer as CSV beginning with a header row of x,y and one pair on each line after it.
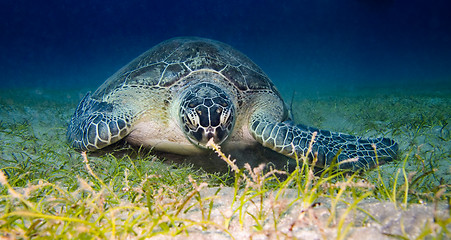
x,y
206,112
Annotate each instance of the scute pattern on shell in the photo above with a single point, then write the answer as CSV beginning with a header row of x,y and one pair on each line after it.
x,y
165,64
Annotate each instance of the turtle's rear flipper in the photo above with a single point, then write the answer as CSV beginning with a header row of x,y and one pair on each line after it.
x,y
350,152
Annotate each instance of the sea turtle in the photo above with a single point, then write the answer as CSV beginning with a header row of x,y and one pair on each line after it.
x,y
184,91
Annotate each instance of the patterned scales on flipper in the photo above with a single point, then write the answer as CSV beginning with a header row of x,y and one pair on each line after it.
x,y
94,125
353,152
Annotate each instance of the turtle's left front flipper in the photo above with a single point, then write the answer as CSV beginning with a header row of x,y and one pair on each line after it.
x,y
350,152
93,125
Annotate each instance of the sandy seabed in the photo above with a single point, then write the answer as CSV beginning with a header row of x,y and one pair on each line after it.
x,y
418,122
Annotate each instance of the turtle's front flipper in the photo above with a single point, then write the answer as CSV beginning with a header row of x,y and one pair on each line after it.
x,y
92,126
351,152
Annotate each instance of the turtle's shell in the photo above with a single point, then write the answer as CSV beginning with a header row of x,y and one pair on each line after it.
x,y
166,64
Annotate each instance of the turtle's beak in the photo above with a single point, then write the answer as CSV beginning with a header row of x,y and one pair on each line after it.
x,y
211,133
217,134
202,133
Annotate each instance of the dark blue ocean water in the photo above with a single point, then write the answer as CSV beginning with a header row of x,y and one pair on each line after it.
x,y
300,44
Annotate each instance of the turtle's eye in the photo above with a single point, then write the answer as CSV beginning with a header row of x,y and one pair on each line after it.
x,y
192,119
206,112
226,116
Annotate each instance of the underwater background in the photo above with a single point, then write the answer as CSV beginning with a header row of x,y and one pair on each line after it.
x,y
305,46
370,68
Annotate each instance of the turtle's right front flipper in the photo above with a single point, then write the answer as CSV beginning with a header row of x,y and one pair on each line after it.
x,y
351,152
92,126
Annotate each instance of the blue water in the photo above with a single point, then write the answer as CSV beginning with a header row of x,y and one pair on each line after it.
x,y
342,44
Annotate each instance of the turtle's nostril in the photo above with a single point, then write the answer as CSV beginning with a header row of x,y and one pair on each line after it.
x,y
210,130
